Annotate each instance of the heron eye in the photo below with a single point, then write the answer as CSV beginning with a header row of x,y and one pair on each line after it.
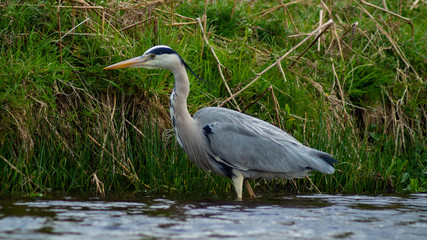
x,y
152,56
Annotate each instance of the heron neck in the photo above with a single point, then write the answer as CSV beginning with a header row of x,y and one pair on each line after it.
x,y
180,94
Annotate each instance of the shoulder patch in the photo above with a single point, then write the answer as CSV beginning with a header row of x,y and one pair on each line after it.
x,y
207,130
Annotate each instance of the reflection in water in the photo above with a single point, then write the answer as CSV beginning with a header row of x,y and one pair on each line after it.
x,y
301,217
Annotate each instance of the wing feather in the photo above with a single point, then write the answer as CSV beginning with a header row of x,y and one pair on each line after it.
x,y
253,145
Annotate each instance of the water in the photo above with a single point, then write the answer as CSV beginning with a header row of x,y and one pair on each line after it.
x,y
296,217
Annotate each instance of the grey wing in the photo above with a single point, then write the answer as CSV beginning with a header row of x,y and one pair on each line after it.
x,y
258,148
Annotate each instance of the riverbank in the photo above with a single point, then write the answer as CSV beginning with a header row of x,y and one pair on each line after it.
x,y
359,92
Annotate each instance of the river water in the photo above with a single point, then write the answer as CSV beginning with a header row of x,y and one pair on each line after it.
x,y
284,217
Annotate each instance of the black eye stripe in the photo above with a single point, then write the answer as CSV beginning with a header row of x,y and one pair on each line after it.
x,y
159,50
162,50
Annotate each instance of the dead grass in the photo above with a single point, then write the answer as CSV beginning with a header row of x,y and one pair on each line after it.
x,y
106,113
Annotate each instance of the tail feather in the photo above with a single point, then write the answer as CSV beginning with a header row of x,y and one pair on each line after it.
x,y
325,157
325,162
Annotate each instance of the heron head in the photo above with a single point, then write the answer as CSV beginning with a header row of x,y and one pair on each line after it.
x,y
160,56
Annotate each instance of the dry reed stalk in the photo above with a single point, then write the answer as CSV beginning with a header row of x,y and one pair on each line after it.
x,y
89,35
326,25
127,5
293,181
103,22
217,60
59,30
110,124
393,43
255,101
62,139
184,23
291,19
276,105
205,15
137,129
80,2
190,21
354,51
407,20
353,27
27,140
312,184
175,14
321,31
232,11
326,7
224,39
399,120
316,85
138,23
73,24
27,179
385,4
86,6
282,72
369,40
320,24
249,188
80,7
270,10
72,29
123,130
331,97
414,4
334,30
343,101
133,176
99,185
298,35
171,12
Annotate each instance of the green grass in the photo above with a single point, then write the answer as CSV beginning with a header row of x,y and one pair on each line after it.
x,y
67,125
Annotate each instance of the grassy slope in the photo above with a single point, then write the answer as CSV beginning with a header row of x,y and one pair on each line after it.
x,y
67,125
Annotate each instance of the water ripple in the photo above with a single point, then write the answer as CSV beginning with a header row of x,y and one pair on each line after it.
x,y
300,217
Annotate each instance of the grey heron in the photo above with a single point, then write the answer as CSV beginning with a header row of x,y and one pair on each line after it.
x,y
228,142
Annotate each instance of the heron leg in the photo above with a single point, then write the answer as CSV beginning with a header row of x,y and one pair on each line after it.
x,y
249,188
238,183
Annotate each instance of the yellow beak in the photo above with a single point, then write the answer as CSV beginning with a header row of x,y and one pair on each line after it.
x,y
133,62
